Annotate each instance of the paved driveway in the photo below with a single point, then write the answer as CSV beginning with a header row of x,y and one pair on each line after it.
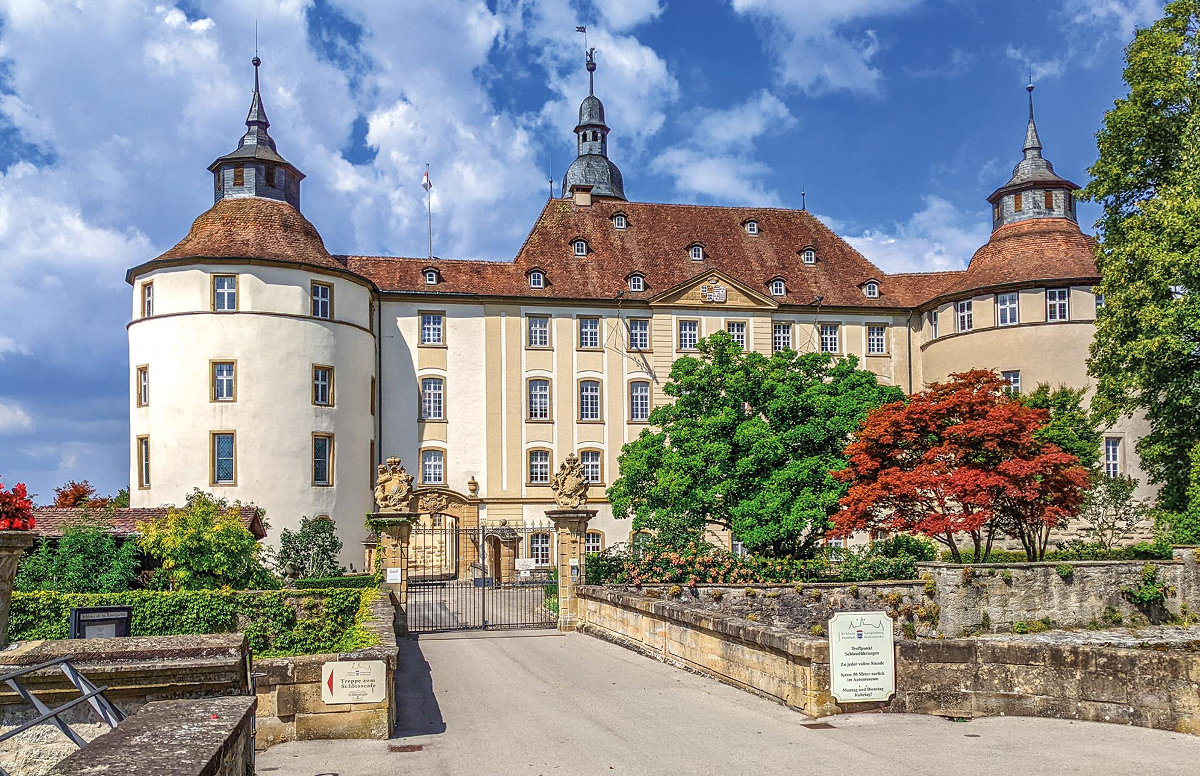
x,y
554,704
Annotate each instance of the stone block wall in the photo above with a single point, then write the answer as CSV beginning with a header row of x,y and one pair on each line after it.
x,y
992,598
944,677
205,737
289,692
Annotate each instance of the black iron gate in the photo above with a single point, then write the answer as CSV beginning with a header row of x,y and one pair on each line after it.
x,y
480,578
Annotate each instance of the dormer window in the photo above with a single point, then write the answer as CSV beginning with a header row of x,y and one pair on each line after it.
x,y
871,290
696,252
752,227
431,277
778,288
619,221
537,279
637,283
580,247
810,256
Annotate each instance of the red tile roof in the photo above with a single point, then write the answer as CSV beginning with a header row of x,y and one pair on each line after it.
x,y
1033,250
253,227
655,243
50,521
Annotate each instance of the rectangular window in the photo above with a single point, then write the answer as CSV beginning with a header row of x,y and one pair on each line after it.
x,y
1057,306
1112,456
322,300
539,467
1099,301
539,548
876,340
593,542
933,324
737,330
432,405
737,548
589,400
433,467
371,467
539,400
143,386
322,459
590,459
689,334
829,338
965,316
589,333
147,299
1049,200
224,381
639,401
781,337
539,331
372,400
224,291
223,469
1006,309
143,456
639,334
1017,204
1013,376
323,386
239,176
431,329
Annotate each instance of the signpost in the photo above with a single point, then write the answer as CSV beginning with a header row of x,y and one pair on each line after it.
x,y
393,576
347,681
862,657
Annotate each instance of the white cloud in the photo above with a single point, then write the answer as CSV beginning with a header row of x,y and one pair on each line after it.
x,y
624,14
938,237
823,45
717,162
1041,69
1114,17
13,418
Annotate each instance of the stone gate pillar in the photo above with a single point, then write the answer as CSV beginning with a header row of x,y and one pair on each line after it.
x,y
570,527
395,532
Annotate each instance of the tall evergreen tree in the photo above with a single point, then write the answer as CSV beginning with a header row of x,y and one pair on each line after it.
x,y
1146,355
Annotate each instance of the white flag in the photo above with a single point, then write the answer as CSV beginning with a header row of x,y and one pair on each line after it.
x,y
425,182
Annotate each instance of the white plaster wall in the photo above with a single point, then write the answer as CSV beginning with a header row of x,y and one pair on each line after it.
x,y
273,415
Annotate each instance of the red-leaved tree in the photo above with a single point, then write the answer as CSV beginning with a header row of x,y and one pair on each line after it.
x,y
16,510
78,494
960,459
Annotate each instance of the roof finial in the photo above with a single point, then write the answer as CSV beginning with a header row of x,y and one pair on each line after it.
x,y
1033,144
591,68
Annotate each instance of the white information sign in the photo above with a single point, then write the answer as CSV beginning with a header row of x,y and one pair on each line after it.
x,y
862,657
348,681
525,564
393,575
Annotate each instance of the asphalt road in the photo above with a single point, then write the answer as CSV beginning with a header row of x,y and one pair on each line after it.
x,y
552,704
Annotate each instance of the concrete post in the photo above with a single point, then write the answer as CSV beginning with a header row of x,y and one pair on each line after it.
x,y
394,536
12,545
570,528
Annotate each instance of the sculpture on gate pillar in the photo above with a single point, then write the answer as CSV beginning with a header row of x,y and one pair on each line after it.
x,y
393,486
570,484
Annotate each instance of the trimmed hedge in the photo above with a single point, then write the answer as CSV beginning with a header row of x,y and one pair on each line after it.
x,y
354,581
276,623
1073,550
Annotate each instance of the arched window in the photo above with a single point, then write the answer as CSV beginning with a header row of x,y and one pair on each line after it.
x,y
810,256
777,288
696,252
537,279
751,227
539,548
619,221
637,283
580,247
593,542
871,290
431,277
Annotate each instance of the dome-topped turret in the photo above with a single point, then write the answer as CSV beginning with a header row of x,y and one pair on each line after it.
x,y
1034,190
592,166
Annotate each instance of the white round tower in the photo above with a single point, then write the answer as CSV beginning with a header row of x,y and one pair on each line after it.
x,y
252,356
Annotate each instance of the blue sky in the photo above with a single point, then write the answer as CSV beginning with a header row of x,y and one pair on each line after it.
x,y
898,117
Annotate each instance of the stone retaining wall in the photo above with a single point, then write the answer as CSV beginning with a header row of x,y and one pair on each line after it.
x,y
206,737
945,677
289,691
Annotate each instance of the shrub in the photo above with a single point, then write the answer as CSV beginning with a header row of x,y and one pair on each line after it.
x,y
275,622
86,559
1150,592
916,547
312,551
352,581
1065,571
817,629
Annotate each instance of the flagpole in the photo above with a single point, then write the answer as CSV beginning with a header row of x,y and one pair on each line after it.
x,y
429,211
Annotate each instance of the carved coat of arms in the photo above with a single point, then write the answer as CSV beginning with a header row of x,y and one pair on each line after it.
x,y
570,485
393,486
432,502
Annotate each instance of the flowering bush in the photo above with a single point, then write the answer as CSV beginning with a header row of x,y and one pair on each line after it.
x,y
16,510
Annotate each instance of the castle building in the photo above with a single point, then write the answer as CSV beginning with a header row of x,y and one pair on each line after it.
x,y
266,369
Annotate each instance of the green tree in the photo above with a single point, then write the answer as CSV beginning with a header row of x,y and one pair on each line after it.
x,y
1070,426
86,559
204,544
1146,354
1111,511
312,551
747,444
1185,527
